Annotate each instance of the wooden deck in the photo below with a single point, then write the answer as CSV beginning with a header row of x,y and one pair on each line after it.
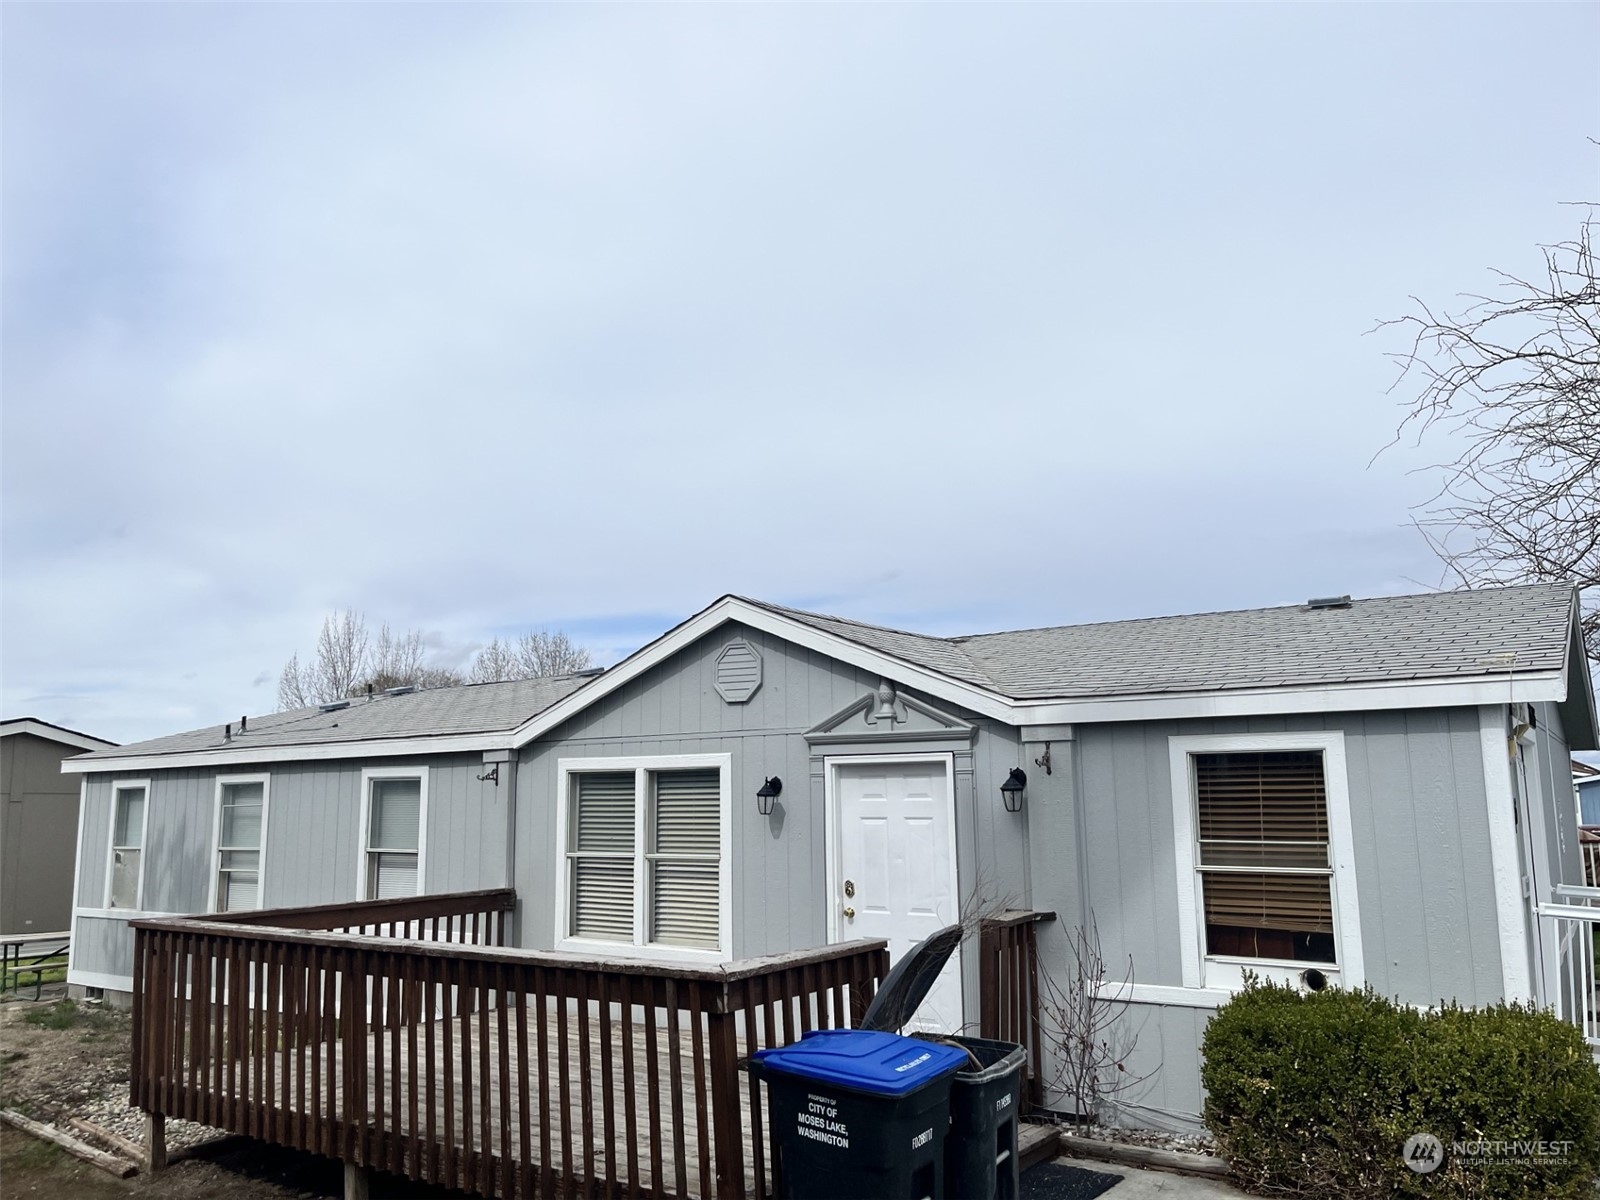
x,y
404,1037
487,1103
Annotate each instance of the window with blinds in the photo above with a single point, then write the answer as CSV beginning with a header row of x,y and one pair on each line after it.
x,y
602,856
644,857
685,859
394,823
239,846
1265,873
127,848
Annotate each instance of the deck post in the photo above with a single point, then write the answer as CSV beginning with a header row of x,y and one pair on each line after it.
x,y
357,1182
155,1140
722,1035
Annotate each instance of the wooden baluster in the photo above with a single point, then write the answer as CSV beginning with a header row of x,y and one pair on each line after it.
x,y
449,998
563,989
502,991
630,1118
652,1066
525,1152
541,985
580,990
433,1170
697,1009
479,972
605,985
680,1162
270,1114
753,1042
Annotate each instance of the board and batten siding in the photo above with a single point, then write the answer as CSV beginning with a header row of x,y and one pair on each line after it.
x,y
779,874
1429,927
314,843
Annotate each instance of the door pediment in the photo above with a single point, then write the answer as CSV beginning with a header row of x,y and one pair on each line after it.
x,y
888,715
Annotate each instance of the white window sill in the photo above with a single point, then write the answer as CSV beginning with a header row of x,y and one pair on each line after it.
x,y
593,948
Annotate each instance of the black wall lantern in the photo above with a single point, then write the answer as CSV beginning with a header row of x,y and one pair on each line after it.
x,y
1011,789
767,793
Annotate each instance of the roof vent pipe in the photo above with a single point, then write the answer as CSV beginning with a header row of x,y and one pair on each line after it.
x,y
242,720
1328,602
227,733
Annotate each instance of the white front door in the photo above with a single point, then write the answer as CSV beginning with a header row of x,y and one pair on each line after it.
x,y
893,868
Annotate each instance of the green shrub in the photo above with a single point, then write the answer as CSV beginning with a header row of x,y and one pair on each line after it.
x,y
1315,1094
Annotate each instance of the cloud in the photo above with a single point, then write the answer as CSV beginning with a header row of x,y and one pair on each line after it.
x,y
481,319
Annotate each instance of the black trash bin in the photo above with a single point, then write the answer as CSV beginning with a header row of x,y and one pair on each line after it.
x,y
986,1095
856,1113
980,1155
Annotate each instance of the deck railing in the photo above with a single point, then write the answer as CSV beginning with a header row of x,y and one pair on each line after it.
x,y
1569,946
506,1073
1008,990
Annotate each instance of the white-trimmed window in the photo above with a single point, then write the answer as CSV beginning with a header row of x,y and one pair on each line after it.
x,y
240,842
394,822
125,865
645,856
1266,870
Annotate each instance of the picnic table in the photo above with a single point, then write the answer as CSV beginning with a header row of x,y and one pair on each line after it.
x,y
21,953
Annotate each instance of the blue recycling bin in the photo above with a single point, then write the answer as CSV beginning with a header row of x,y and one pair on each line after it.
x,y
857,1113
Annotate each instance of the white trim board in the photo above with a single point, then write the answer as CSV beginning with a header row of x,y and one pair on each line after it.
x,y
309,752
1350,970
641,765
54,733
77,864
364,831
111,983
1504,865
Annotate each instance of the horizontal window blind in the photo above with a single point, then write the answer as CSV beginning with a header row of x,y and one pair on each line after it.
x,y
1262,797
1299,903
396,814
241,814
602,899
685,908
685,896
605,817
391,876
688,813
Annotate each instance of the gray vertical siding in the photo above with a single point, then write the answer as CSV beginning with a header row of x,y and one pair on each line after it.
x,y
779,862
1428,927
314,844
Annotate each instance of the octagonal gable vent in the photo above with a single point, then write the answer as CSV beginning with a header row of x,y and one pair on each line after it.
x,y
738,672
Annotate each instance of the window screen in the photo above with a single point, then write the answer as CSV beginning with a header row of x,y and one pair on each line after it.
x,y
686,844
602,856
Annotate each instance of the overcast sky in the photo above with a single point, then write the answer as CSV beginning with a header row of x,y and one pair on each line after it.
x,y
952,318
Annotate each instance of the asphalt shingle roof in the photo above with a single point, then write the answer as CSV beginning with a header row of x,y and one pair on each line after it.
x,y
475,708
1439,635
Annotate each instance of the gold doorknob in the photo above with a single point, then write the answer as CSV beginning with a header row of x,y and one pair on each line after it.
x,y
850,912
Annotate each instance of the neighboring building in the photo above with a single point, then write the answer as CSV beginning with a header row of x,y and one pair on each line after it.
x,y
1376,790
38,824
1586,782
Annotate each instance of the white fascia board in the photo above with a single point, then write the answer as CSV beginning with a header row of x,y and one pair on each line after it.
x,y
1311,698
315,752
66,737
729,608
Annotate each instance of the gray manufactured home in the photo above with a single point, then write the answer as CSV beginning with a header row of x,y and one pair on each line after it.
x,y
1368,792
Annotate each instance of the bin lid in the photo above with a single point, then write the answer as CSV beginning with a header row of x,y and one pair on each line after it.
x,y
907,986
884,1064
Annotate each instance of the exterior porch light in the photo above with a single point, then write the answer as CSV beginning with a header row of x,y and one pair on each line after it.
x,y
1011,789
767,793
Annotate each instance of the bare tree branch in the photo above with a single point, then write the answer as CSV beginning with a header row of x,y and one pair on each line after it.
x,y
1515,375
534,655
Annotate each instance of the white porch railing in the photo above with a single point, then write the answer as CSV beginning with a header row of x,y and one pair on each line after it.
x,y
1570,928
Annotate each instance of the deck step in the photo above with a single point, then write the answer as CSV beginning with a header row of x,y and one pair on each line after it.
x,y
1036,1144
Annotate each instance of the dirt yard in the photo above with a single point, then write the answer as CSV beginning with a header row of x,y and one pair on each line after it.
x,y
60,1060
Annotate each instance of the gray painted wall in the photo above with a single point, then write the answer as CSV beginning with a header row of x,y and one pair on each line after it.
x,y
779,864
313,840
1429,927
38,833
